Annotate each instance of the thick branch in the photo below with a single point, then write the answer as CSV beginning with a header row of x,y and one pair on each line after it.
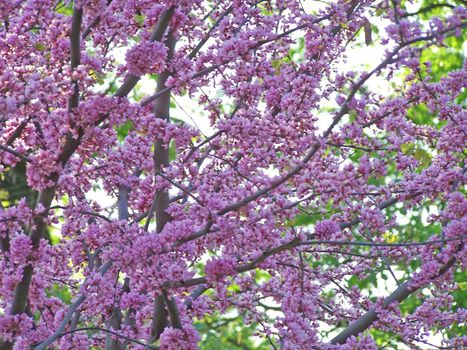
x,y
174,315
296,243
400,294
21,291
161,159
75,53
13,152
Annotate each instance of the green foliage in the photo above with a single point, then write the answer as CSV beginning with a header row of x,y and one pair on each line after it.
x,y
460,302
384,340
410,304
139,19
303,219
64,9
364,283
229,333
265,9
443,59
13,186
97,77
420,154
460,295
61,292
40,46
123,130
172,151
421,115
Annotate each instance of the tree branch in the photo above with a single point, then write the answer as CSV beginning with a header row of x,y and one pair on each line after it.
x,y
21,291
400,294
296,243
75,53
16,154
161,159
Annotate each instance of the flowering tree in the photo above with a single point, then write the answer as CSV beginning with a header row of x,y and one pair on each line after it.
x,y
311,195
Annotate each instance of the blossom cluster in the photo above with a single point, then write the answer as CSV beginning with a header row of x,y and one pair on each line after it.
x,y
146,57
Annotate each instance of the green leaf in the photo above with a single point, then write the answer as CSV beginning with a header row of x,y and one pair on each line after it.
x,y
420,115
265,9
261,276
172,151
96,76
410,304
390,237
40,46
63,293
423,157
139,19
407,148
302,220
65,10
3,194
123,130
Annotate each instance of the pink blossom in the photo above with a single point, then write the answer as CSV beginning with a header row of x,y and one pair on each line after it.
x,y
174,339
326,229
146,57
216,269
